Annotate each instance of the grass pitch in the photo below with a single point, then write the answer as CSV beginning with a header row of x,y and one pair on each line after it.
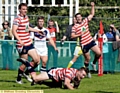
x,y
108,83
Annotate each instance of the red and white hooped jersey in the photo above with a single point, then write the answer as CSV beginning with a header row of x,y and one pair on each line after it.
x,y
61,73
86,38
22,30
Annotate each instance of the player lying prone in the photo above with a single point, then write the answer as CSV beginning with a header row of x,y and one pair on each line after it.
x,y
58,75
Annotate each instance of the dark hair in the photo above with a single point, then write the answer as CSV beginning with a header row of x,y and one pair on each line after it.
x,y
4,23
77,14
50,20
22,4
40,17
111,27
83,68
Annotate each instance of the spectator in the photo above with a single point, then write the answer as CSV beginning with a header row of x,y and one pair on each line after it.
x,y
116,44
7,46
53,30
97,35
111,34
68,32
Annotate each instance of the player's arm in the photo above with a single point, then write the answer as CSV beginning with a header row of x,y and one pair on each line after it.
x,y
35,30
67,83
14,31
57,27
92,11
74,35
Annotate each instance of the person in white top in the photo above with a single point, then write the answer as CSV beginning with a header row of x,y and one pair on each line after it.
x,y
97,35
40,42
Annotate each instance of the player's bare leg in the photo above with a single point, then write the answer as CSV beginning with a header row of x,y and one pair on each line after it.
x,y
44,60
97,52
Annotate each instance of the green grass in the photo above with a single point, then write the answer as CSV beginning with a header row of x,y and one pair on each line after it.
x,y
109,83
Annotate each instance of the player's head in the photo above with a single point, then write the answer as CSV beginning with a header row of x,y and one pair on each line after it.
x,y
22,9
50,23
40,21
111,28
82,72
78,17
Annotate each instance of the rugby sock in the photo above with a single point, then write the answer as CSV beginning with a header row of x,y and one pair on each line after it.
x,y
26,72
33,66
86,65
20,73
96,58
70,64
29,67
43,69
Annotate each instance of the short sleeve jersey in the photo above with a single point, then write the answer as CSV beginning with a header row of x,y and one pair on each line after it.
x,y
53,33
86,38
62,73
23,29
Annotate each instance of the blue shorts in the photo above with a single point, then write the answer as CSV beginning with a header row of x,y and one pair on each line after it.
x,y
87,47
25,49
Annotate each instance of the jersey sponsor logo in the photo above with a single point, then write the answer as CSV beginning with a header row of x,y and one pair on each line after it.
x,y
27,28
40,36
83,28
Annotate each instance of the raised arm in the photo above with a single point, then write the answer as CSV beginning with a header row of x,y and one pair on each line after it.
x,y
92,11
57,27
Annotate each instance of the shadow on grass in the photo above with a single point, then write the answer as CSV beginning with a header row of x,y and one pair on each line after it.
x,y
12,81
50,84
104,92
7,81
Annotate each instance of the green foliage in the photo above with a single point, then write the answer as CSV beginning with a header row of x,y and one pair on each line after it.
x,y
61,14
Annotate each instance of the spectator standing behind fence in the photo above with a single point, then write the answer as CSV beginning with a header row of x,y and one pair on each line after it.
x,y
116,44
106,63
6,46
53,30
111,33
67,34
